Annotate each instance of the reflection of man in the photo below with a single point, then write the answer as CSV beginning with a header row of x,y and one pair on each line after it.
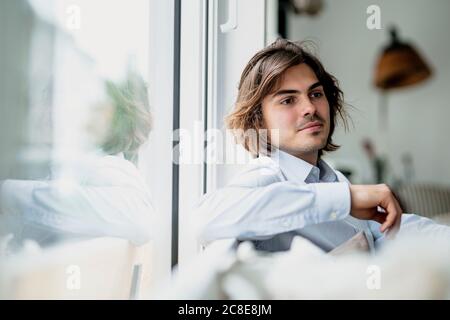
x,y
289,190
105,195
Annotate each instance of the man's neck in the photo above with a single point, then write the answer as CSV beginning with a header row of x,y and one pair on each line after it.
x,y
311,158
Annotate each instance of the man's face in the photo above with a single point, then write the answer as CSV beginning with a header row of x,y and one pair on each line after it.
x,y
299,110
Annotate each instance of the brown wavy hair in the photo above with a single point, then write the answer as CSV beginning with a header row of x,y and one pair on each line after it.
x,y
262,76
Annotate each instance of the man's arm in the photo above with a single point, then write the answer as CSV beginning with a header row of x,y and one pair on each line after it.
x,y
257,206
78,210
256,213
259,203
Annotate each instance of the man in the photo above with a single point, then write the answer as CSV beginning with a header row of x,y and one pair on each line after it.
x,y
288,189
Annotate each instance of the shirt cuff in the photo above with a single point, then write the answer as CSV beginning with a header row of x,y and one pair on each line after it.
x,y
332,201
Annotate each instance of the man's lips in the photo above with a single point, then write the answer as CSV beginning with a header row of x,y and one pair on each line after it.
x,y
311,126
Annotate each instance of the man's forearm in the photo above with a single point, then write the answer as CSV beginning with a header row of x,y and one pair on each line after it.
x,y
258,212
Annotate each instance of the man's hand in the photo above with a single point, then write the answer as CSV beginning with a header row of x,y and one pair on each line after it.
x,y
365,203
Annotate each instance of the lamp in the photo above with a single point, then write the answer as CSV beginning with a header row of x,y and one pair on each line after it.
x,y
308,7
399,65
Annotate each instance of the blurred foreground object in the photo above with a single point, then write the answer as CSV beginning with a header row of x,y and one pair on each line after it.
x,y
411,267
103,268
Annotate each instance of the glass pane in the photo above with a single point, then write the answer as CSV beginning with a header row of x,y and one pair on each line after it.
x,y
76,118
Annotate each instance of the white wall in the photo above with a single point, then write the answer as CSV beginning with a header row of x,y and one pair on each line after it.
x,y
418,116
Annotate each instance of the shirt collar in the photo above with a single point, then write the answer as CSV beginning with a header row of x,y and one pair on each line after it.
x,y
301,171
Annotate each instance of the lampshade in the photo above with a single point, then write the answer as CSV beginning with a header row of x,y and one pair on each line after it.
x,y
400,65
308,7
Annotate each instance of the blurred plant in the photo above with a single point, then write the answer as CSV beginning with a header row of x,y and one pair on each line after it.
x,y
379,164
408,167
131,120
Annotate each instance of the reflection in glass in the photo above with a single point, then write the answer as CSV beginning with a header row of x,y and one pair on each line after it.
x,y
76,114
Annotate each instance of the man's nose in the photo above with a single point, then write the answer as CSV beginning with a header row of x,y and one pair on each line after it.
x,y
307,108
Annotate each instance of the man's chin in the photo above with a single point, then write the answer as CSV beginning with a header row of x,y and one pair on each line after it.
x,y
311,143
303,149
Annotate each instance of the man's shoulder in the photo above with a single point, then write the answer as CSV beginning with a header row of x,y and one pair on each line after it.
x,y
258,172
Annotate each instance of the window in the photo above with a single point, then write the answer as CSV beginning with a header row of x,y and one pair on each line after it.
x,y
87,95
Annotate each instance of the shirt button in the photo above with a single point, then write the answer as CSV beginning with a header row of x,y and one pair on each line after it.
x,y
333,215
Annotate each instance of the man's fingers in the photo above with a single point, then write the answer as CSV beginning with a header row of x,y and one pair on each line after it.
x,y
392,214
372,214
392,232
393,220
380,217
398,221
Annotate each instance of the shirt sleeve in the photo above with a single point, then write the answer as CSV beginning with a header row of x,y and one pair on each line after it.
x,y
258,207
412,224
80,210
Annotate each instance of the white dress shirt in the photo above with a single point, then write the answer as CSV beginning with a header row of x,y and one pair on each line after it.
x,y
106,197
276,198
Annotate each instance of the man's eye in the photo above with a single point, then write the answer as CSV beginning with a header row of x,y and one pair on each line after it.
x,y
317,94
287,101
